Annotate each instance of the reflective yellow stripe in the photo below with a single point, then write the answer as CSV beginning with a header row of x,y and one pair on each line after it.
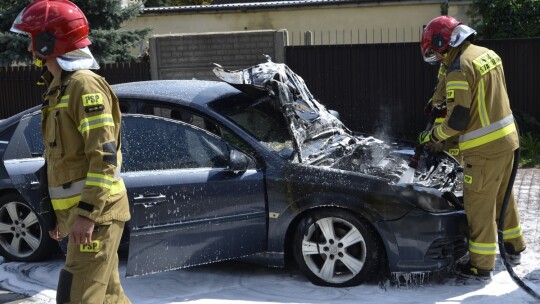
x,y
483,248
487,138
99,180
482,112
439,120
512,233
62,104
94,122
487,62
440,134
457,85
441,72
65,203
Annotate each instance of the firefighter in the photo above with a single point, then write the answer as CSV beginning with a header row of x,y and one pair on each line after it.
x,y
478,110
81,133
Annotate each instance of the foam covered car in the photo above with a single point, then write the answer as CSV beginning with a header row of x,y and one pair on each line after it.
x,y
252,167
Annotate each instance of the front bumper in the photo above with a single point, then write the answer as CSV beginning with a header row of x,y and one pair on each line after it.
x,y
424,242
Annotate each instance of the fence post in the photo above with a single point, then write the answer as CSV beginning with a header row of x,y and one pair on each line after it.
x,y
308,38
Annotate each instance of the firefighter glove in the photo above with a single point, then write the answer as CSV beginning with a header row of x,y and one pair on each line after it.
x,y
47,213
425,137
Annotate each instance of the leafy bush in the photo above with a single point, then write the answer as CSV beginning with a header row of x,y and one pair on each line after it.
x,y
530,151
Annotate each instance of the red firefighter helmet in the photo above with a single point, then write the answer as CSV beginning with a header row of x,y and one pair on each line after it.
x,y
56,27
436,36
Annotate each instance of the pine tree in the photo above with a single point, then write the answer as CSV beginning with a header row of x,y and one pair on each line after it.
x,y
110,43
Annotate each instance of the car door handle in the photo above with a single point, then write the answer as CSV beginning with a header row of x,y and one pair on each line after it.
x,y
149,199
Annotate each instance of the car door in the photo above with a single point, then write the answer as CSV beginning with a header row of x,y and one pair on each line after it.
x,y
24,156
187,207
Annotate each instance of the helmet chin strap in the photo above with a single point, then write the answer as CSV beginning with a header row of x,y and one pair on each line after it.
x,y
39,62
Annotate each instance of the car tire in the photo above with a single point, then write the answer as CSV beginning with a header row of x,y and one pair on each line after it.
x,y
22,236
332,247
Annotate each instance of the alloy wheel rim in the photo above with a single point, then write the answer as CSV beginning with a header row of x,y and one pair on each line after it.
x,y
20,232
334,250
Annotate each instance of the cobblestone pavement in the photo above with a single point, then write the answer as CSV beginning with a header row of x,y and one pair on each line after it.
x,y
527,194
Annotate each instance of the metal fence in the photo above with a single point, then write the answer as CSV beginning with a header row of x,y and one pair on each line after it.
x,y
382,88
377,88
19,89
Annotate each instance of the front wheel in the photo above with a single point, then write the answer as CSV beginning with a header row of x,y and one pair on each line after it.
x,y
22,237
332,247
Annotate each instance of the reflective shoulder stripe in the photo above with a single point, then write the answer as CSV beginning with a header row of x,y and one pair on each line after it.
x,y
439,120
457,85
487,62
512,233
483,248
487,134
94,122
65,203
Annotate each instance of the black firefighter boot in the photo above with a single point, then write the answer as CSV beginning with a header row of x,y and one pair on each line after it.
x,y
469,271
512,257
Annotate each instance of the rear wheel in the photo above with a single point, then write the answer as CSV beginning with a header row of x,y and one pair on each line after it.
x,y
22,237
332,247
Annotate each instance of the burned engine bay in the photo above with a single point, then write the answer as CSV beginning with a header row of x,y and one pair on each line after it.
x,y
302,130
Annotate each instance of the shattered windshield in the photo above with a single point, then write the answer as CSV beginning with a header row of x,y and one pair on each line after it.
x,y
262,119
293,105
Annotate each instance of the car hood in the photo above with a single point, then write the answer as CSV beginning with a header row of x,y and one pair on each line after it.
x,y
321,139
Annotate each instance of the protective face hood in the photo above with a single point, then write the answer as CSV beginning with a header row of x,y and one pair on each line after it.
x,y
81,59
459,34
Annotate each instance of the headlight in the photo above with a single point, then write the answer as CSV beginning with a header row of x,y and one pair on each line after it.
x,y
428,199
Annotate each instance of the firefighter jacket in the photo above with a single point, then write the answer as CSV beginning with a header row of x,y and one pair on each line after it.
x,y
81,123
478,108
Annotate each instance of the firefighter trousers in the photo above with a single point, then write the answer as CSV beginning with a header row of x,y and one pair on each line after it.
x,y
90,275
485,181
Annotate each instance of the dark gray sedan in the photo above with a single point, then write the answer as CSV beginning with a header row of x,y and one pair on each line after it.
x,y
252,167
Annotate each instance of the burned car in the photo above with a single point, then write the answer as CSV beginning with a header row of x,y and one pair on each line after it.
x,y
253,167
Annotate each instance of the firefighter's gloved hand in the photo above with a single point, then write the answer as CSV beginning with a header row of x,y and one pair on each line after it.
x,y
435,147
47,213
425,137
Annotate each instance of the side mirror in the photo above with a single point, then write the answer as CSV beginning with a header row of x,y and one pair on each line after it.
x,y
238,161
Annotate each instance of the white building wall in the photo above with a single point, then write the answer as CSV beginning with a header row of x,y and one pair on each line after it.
x,y
359,23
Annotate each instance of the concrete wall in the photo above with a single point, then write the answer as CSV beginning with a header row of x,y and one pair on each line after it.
x,y
374,22
187,56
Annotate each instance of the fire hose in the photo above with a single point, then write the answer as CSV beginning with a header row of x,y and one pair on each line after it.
x,y
500,226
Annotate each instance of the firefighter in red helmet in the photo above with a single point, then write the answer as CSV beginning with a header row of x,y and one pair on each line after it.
x,y
478,110
86,197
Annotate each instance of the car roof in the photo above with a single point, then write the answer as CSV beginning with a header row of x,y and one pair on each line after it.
x,y
200,92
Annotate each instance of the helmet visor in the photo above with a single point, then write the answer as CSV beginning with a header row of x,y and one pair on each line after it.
x,y
16,24
430,56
